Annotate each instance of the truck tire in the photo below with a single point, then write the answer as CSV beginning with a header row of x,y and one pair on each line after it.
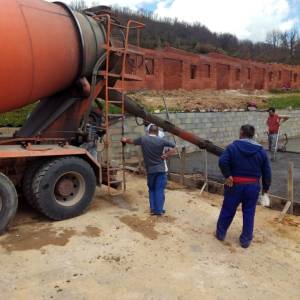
x,y
29,174
63,188
8,202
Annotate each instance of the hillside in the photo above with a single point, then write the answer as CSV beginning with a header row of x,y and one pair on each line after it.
x,y
280,47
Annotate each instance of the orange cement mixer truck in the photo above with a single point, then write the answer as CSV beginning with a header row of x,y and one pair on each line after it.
x,y
63,60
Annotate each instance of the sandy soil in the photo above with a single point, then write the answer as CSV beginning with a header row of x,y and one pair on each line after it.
x,y
117,251
196,100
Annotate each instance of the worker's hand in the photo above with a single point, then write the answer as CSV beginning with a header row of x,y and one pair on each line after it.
x,y
229,181
165,156
124,140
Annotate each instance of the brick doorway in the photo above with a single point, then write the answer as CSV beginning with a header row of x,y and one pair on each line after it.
x,y
172,74
223,74
260,74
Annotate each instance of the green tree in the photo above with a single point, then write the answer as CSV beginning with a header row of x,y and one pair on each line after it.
x,y
78,5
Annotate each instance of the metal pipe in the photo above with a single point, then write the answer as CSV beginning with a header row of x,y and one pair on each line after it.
x,y
138,111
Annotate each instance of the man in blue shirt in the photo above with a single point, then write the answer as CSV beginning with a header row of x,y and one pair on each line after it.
x,y
243,163
154,159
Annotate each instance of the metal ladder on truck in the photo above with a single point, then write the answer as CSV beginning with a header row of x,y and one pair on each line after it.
x,y
113,170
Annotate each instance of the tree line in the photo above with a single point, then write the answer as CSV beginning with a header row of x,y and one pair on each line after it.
x,y
279,46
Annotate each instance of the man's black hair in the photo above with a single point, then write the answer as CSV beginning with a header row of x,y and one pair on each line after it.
x,y
248,131
272,109
153,129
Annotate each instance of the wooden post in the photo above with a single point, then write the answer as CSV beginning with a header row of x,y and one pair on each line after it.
x,y
205,184
206,169
182,165
140,163
290,190
291,186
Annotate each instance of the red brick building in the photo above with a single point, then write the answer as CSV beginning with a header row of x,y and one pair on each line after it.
x,y
170,69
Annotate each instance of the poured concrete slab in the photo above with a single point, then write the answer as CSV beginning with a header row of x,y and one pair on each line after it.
x,y
195,164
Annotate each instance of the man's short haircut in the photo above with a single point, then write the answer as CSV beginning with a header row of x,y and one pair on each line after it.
x,y
248,131
271,109
153,129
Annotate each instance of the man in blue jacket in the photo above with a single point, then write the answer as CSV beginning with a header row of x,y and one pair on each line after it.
x,y
243,163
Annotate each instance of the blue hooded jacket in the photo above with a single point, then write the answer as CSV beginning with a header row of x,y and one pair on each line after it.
x,y
246,158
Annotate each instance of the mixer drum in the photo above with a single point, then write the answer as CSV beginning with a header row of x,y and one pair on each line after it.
x,y
44,48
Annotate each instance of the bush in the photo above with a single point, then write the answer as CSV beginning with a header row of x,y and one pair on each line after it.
x,y
283,91
17,117
283,102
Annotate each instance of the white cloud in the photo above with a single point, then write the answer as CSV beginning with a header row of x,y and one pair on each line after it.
x,y
250,19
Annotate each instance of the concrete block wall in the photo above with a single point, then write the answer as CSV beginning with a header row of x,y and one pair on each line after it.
x,y
219,127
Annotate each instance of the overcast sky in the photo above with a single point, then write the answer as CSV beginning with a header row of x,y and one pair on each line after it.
x,y
248,19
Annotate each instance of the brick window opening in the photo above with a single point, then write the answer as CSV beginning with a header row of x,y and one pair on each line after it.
x,y
249,73
193,72
279,75
206,70
237,74
295,77
270,76
149,66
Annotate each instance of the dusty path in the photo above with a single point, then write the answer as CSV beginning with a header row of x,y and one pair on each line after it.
x,y
116,251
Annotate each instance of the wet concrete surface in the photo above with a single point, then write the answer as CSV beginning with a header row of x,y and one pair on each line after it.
x,y
294,145
195,164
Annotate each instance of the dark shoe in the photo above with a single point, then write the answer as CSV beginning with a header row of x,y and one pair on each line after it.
x,y
219,237
158,213
245,244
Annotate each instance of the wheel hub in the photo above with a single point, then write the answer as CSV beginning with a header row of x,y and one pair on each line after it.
x,y
65,187
69,188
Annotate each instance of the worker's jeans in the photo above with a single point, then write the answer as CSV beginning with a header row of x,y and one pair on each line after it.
x,y
156,184
272,141
247,194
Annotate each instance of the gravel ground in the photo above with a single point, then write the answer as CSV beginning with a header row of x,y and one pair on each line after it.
x,y
117,251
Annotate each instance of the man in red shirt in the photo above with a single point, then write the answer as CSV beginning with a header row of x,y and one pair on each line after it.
x,y
274,121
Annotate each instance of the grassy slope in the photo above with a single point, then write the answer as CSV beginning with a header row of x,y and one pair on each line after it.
x,y
285,100
15,118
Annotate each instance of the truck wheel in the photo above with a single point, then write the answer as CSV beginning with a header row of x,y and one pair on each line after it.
x,y
27,182
63,188
8,202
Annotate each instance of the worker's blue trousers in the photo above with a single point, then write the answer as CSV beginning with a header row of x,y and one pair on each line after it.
x,y
156,184
247,194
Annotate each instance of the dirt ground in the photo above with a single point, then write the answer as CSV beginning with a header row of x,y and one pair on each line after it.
x,y
117,251
197,100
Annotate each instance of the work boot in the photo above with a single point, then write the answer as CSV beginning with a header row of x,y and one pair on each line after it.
x,y
244,244
156,213
219,237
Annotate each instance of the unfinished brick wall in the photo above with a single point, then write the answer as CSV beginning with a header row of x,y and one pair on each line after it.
x,y
170,69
